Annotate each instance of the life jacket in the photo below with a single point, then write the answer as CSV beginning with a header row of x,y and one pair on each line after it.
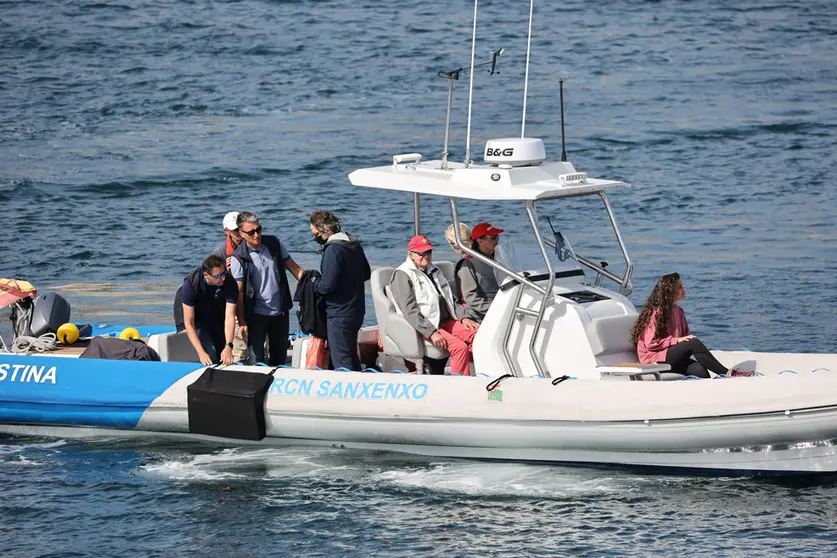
x,y
243,256
230,248
426,288
195,278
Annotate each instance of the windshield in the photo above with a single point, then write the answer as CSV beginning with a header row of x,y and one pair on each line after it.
x,y
522,254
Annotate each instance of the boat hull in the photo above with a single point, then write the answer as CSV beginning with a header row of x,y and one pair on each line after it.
x,y
770,425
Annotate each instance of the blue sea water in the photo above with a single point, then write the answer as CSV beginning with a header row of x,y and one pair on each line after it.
x,y
128,129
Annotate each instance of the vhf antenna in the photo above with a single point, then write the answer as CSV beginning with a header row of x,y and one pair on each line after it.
x,y
453,75
563,144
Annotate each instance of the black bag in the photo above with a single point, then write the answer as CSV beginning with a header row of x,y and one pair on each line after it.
x,y
111,348
228,403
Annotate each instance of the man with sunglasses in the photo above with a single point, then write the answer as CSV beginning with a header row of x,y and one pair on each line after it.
x,y
424,297
259,266
209,295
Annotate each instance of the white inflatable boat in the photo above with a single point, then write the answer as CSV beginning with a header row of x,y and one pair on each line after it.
x,y
556,378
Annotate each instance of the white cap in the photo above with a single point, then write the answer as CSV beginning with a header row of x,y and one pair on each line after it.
x,y
231,221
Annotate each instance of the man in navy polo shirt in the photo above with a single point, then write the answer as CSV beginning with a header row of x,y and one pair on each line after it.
x,y
259,265
209,295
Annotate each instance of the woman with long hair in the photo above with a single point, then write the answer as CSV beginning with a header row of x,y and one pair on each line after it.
x,y
661,334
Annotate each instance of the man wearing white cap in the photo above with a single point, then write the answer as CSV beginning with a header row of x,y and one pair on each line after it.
x,y
225,251
226,248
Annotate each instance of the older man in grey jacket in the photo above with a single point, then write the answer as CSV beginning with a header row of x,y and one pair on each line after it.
x,y
423,296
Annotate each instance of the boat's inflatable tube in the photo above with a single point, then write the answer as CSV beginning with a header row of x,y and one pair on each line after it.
x,y
89,392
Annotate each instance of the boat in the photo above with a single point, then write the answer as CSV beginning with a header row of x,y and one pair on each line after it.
x,y
556,379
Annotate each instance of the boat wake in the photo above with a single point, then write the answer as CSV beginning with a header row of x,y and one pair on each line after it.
x,y
398,472
27,453
504,480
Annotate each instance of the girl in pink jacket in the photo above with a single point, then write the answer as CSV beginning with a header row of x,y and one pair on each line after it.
x,y
661,333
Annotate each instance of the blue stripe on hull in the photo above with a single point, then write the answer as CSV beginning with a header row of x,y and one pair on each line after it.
x,y
82,392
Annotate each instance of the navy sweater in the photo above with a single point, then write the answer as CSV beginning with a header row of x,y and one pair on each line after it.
x,y
344,271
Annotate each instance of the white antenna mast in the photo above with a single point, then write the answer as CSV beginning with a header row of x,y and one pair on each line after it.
x,y
471,89
526,79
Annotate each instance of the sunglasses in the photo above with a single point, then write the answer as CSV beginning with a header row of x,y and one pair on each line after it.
x,y
251,232
424,254
489,237
216,276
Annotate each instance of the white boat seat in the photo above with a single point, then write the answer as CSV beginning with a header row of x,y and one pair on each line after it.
x,y
398,337
173,347
610,339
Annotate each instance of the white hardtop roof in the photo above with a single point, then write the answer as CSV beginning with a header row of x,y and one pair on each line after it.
x,y
480,182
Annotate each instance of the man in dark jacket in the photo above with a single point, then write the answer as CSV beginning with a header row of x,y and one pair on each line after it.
x,y
344,271
208,297
259,266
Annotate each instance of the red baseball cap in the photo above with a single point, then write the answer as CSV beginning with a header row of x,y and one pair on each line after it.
x,y
419,244
483,229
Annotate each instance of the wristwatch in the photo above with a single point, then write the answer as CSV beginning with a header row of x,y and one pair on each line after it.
x,y
230,345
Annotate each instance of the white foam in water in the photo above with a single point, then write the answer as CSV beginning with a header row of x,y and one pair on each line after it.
x,y
239,463
505,479
23,460
22,448
463,477
200,467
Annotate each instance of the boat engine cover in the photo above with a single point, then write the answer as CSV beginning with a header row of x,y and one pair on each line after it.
x,y
50,312
228,404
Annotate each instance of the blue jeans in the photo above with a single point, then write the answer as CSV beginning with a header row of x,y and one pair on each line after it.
x,y
212,342
275,330
342,342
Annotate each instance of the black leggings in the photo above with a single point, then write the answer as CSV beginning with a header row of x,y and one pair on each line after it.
x,y
679,357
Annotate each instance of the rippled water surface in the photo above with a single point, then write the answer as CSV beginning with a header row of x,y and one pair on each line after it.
x,y
128,129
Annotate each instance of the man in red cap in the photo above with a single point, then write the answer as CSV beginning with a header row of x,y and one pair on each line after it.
x,y
476,281
424,297
485,237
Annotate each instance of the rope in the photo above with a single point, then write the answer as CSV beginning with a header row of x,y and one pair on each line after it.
x,y
494,383
26,345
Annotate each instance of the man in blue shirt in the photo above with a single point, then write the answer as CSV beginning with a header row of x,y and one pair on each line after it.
x,y
209,295
259,266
